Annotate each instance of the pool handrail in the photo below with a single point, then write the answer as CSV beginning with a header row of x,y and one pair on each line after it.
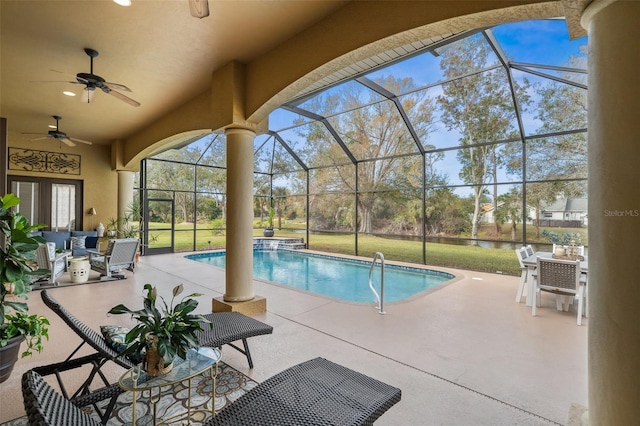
x,y
379,298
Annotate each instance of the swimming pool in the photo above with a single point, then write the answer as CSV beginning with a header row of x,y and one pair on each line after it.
x,y
344,279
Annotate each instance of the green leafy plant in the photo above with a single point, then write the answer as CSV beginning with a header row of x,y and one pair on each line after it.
x,y
17,271
562,238
174,326
272,213
32,327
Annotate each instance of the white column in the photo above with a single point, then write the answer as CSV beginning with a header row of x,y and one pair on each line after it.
x,y
614,212
125,191
239,268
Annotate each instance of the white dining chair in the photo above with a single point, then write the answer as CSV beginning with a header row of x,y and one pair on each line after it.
x,y
562,278
521,253
530,250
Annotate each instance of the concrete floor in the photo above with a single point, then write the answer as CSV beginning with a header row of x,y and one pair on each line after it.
x,y
463,354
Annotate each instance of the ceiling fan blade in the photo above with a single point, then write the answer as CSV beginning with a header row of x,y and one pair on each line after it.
x,y
81,141
116,86
68,142
123,98
39,139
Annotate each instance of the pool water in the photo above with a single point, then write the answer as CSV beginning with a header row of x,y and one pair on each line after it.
x,y
335,277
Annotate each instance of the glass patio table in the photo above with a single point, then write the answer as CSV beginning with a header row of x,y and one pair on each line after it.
x,y
135,380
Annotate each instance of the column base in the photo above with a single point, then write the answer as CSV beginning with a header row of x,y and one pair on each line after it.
x,y
257,305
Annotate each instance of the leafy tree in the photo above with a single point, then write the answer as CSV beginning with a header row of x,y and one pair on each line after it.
x,y
560,107
509,209
373,131
480,108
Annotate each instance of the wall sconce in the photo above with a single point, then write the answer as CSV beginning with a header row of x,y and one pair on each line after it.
x,y
92,213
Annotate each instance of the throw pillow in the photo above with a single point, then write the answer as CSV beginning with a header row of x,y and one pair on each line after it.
x,y
115,335
78,242
91,242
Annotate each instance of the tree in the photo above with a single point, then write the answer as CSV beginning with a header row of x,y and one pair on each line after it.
x,y
478,106
375,134
509,209
560,107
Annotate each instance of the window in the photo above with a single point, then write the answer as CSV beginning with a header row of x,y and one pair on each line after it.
x,y
56,203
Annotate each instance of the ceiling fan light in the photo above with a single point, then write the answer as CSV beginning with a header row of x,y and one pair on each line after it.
x,y
87,95
199,8
123,2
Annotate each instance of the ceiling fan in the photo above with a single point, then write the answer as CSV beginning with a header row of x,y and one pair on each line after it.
x,y
59,135
93,82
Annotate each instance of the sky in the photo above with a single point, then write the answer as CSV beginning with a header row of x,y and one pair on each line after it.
x,y
535,42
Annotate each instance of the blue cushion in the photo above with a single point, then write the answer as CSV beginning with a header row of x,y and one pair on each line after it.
x,y
91,242
78,242
115,335
61,238
84,233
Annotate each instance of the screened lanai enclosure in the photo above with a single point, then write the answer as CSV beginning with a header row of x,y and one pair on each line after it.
x,y
441,151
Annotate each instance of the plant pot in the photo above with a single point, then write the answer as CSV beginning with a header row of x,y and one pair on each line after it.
x,y
153,363
9,356
268,232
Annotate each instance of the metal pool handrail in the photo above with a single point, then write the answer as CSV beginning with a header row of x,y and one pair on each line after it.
x,y
379,298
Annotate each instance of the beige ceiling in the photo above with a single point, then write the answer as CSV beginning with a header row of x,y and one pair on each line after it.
x,y
156,48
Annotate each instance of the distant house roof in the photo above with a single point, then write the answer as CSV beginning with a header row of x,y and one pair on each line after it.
x,y
567,204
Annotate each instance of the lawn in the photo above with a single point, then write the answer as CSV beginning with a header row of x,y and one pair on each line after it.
x,y
454,256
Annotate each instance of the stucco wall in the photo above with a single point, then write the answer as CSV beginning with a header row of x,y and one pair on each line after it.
x,y
100,181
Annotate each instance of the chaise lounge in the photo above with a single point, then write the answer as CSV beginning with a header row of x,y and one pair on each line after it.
x,y
228,327
315,392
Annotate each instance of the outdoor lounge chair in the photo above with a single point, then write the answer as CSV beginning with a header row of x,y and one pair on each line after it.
x,y
120,255
315,392
56,263
228,327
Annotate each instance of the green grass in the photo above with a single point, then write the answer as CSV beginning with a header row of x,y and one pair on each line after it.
x,y
446,255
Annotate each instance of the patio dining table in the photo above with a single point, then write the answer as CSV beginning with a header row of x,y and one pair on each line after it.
x,y
531,262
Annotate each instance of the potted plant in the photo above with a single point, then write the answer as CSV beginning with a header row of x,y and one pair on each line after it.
x,y
268,230
112,227
17,269
162,333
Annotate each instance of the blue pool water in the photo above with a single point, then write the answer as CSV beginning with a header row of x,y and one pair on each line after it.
x,y
332,276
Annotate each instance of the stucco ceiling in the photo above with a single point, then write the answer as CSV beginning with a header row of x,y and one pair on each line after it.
x,y
156,48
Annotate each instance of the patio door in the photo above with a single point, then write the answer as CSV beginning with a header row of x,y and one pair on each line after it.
x,y
159,225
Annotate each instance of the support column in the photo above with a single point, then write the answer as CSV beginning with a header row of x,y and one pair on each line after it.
x,y
614,212
125,191
239,269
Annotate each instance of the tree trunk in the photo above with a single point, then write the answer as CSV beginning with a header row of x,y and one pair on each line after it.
x,y
476,211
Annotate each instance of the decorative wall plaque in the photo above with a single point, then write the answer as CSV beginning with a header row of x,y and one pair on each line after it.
x,y
31,160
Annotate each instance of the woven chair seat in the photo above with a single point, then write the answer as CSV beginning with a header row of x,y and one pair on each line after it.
x,y
316,392
229,327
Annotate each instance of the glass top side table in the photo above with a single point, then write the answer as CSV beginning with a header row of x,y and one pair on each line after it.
x,y
135,380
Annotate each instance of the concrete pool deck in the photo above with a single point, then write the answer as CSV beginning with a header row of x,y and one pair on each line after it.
x,y
463,354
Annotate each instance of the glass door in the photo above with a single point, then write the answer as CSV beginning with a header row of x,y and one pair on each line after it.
x,y
159,226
